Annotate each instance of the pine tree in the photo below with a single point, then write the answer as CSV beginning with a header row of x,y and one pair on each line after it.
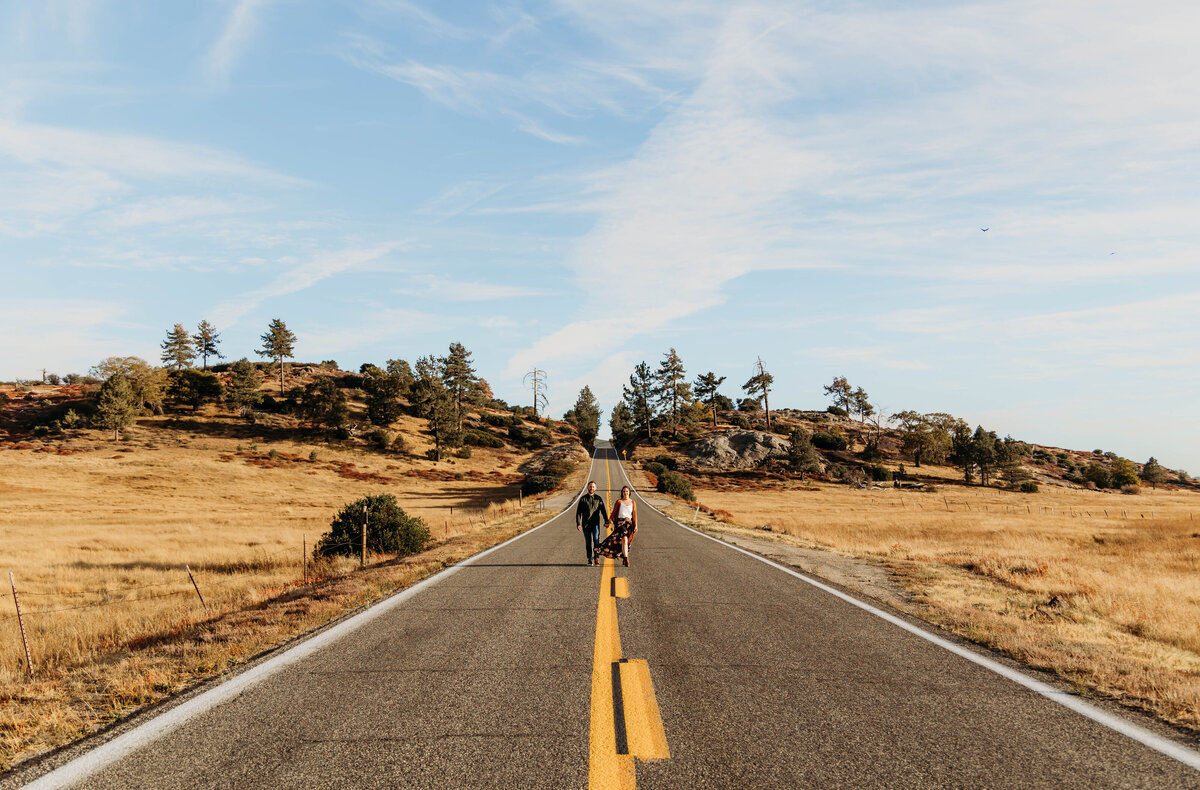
x,y
206,341
840,393
194,387
279,343
638,398
461,381
1152,472
403,373
706,390
178,351
672,390
802,458
585,416
620,423
244,390
323,404
433,401
759,386
116,405
382,392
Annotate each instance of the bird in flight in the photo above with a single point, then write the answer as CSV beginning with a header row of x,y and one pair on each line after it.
x,y
985,230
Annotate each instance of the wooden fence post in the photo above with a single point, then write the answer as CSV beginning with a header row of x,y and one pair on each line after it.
x,y
196,587
362,557
21,622
304,555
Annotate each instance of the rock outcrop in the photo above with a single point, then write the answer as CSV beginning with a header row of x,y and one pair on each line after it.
x,y
736,449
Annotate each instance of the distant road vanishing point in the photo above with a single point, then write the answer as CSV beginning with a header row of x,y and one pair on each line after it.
x,y
699,666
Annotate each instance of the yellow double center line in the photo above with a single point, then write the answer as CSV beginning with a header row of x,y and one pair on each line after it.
x,y
625,719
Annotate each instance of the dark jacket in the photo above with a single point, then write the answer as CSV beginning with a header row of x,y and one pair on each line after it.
x,y
590,511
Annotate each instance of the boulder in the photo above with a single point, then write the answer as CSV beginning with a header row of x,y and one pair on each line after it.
x,y
736,449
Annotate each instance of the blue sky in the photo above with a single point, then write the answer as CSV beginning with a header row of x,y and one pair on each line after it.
x,y
580,186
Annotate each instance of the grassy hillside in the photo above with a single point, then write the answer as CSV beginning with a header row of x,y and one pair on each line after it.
x,y
99,534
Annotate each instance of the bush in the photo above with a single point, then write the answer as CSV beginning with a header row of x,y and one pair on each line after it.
x,y
72,419
675,484
879,473
655,468
474,438
558,467
749,404
837,411
529,437
463,452
1099,475
740,421
389,529
823,440
497,420
668,461
1131,489
379,439
400,445
871,453
1028,487
536,484
312,457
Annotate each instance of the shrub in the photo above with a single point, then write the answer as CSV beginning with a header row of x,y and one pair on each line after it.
x,y
536,484
379,439
1131,489
871,453
529,437
389,529
463,452
273,455
1098,474
668,461
498,420
837,411
655,468
475,438
311,456
740,421
1028,487
558,467
675,484
879,473
400,445
72,419
829,441
836,471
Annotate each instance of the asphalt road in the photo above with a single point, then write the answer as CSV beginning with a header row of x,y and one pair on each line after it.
x,y
528,669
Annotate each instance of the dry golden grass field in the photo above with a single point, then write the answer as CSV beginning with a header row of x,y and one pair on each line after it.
x,y
98,533
1101,588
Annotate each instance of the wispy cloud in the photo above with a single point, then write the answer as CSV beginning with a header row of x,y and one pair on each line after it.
x,y
231,44
446,289
298,278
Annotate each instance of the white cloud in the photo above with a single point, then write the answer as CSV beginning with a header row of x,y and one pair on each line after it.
x,y
431,286
172,210
298,278
45,332
230,46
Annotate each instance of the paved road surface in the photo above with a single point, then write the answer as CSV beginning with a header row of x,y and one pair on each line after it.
x,y
698,666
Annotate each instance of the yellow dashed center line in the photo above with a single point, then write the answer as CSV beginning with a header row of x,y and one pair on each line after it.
x,y
625,721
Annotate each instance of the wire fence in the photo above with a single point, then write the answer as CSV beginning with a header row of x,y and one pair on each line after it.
x,y
197,582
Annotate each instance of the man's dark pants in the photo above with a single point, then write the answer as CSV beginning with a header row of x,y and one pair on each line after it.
x,y
591,536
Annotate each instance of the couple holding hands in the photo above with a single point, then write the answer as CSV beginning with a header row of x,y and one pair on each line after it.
x,y
591,513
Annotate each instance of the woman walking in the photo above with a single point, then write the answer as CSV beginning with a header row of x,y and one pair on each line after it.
x,y
624,519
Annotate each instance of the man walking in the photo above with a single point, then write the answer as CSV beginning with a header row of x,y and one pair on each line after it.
x,y
589,515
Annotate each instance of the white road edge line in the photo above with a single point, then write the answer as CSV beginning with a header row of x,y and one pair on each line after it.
x,y
104,755
1140,734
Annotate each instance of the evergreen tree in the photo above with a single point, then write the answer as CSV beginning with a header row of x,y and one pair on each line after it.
x,y
194,387
382,392
840,393
862,404
706,387
244,390
759,387
802,458
620,423
177,349
461,381
279,343
962,450
672,390
983,452
433,401
638,397
1152,472
206,341
585,416
403,373
116,405
323,404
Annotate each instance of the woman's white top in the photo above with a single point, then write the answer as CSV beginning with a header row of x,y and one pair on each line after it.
x,y
624,509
